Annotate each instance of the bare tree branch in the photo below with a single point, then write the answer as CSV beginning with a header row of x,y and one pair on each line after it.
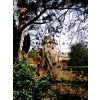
x,y
39,22
32,21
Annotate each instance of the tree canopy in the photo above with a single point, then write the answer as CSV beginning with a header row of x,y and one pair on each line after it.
x,y
78,55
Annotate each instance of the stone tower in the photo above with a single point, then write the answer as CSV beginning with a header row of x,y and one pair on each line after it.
x,y
50,46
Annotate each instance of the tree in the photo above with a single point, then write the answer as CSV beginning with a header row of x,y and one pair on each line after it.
x,y
30,14
78,55
26,43
15,40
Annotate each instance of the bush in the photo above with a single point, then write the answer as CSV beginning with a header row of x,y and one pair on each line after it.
x,y
26,84
34,55
22,81
41,87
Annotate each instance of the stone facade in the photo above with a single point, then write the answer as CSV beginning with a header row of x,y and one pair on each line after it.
x,y
63,56
50,46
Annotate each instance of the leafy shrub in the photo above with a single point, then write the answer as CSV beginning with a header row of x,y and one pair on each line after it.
x,y
41,87
35,55
22,81
32,54
27,85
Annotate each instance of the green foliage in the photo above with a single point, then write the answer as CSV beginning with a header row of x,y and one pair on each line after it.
x,y
27,85
80,69
78,55
22,81
35,55
41,87
32,54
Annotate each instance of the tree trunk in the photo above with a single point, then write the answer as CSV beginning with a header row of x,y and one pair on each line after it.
x,y
16,42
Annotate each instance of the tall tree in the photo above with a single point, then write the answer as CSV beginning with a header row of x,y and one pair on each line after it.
x,y
15,40
78,55
26,43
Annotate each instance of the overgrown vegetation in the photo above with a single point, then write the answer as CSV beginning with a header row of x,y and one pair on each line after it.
x,y
33,54
27,85
78,55
22,81
41,87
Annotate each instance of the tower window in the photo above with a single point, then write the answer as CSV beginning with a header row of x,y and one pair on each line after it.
x,y
52,47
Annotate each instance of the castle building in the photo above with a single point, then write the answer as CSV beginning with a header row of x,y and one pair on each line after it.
x,y
50,45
